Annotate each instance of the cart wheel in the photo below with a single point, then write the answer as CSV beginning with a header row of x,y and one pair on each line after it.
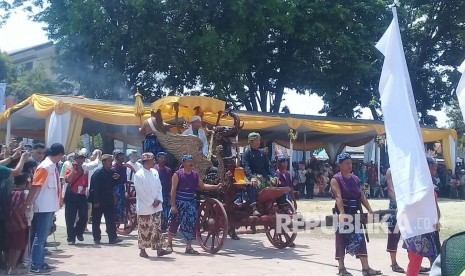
x,y
212,225
283,239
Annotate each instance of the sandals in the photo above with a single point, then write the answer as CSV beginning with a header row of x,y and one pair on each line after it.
x,y
191,251
370,271
396,268
163,252
344,272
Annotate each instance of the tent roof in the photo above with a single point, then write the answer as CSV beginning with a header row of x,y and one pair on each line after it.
x,y
28,120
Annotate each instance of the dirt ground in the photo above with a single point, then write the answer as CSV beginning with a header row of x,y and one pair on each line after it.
x,y
252,255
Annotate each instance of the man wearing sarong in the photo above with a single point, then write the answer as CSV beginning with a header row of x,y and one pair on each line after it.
x,y
120,189
426,245
165,177
183,206
149,205
150,143
258,169
195,129
393,229
349,196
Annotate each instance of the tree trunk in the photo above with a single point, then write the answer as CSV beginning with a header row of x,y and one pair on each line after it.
x,y
374,113
278,97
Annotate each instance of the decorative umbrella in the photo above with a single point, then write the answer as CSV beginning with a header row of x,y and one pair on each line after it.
x,y
139,109
188,106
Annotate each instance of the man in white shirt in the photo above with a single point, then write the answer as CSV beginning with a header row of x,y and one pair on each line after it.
x,y
133,157
195,129
149,201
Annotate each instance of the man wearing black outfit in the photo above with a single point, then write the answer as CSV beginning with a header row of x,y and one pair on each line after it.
x,y
257,168
102,198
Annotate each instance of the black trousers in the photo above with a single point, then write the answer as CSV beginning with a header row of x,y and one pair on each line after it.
x,y
76,204
109,212
309,186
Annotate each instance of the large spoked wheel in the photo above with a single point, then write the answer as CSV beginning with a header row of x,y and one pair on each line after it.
x,y
277,237
212,225
131,215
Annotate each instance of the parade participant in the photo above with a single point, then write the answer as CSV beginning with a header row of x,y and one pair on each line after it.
x,y
195,129
151,143
257,168
16,225
120,189
101,195
149,202
183,206
284,180
393,229
134,163
425,245
165,177
45,196
76,200
349,196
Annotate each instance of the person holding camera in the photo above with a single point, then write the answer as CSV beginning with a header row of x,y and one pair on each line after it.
x,y
75,200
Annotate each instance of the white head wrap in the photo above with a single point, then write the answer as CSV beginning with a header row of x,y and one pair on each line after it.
x,y
83,151
196,118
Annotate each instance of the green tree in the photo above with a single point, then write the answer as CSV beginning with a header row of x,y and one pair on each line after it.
x,y
7,71
248,52
36,80
245,52
455,117
434,39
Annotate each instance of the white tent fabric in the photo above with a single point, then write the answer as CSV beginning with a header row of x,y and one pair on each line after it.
x,y
413,185
369,152
58,128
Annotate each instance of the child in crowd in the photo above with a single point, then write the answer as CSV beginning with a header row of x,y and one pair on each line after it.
x,y
16,223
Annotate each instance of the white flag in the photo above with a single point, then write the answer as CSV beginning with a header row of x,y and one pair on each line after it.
x,y
461,89
416,209
2,96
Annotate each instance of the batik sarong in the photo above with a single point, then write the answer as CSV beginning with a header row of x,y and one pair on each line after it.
x,y
185,219
151,144
393,231
426,245
165,214
392,220
149,232
120,204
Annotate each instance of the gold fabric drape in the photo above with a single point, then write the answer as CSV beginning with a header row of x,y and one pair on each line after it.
x,y
74,132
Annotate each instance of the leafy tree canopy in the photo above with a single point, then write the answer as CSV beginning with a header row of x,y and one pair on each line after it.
x,y
248,52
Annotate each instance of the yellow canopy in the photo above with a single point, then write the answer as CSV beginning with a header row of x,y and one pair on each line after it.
x,y
314,131
189,106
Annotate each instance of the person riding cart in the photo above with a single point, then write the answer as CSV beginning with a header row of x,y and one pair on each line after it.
x,y
258,169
